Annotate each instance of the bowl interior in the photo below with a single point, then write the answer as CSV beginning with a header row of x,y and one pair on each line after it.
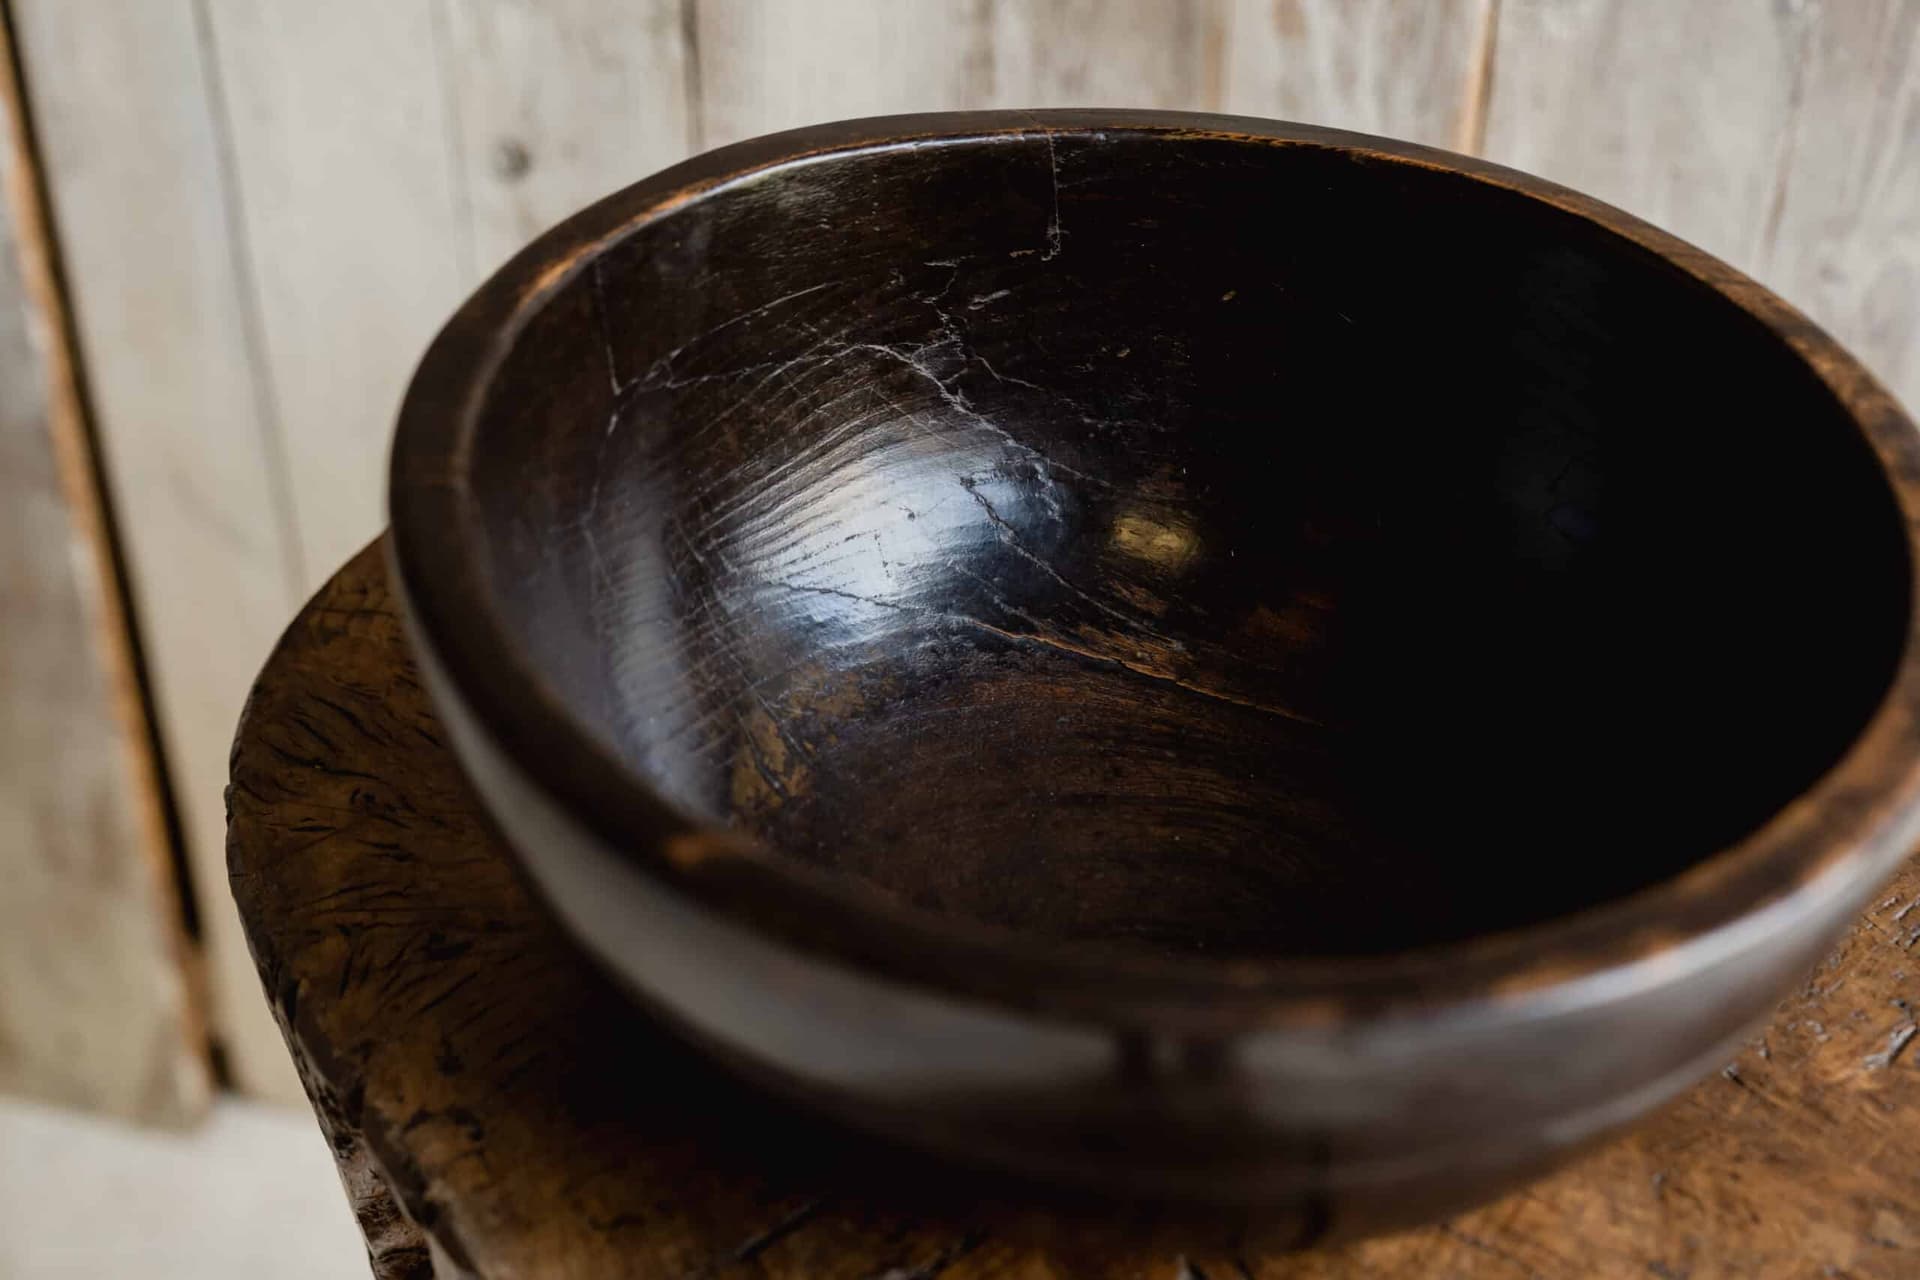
x,y
1187,543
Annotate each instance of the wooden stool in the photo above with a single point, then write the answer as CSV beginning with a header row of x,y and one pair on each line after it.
x,y
497,1109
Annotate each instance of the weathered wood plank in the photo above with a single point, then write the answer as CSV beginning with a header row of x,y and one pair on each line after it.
x,y
1679,113
1783,137
1095,53
132,165
764,67
1404,68
349,201
1844,234
96,1006
557,104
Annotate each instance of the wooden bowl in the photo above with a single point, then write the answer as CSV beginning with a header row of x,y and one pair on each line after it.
x,y
1190,657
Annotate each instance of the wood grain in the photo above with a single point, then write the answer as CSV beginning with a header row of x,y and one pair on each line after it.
x,y
96,1005
1404,68
348,195
768,67
1678,113
555,105
1095,53
493,1102
190,448
764,67
1782,137
1843,238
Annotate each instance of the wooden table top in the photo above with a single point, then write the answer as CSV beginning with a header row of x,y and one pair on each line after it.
x,y
498,1109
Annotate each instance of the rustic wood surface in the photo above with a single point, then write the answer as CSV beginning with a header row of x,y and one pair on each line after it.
x,y
343,168
1677,113
495,1106
1411,71
97,1008
1845,241
131,154
535,91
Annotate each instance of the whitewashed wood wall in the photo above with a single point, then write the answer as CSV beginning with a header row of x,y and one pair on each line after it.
x,y
266,207
97,1006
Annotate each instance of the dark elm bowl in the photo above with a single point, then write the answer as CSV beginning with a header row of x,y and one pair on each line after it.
x,y
1188,658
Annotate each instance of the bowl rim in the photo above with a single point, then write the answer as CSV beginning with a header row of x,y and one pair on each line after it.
x,y
1833,841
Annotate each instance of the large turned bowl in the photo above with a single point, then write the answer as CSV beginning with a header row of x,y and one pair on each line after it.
x,y
1185,658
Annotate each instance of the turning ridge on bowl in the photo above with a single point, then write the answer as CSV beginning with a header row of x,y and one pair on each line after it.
x,y
1188,656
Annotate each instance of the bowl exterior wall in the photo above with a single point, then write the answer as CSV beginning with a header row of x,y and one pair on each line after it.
x,y
1355,1125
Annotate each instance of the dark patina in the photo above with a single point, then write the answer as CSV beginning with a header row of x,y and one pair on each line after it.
x,y
1337,670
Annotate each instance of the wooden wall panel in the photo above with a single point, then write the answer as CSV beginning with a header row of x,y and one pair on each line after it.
x,y
764,67
1103,53
186,420
1844,234
96,1005
1676,112
1783,137
351,211
555,105
1404,68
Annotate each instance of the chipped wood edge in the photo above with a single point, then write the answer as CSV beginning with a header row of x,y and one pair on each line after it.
x,y
397,1249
